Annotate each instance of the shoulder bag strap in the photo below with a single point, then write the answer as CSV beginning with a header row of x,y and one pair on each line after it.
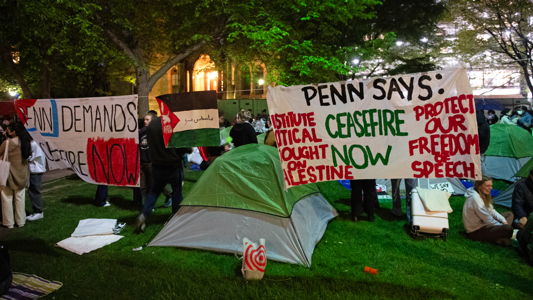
x,y
7,150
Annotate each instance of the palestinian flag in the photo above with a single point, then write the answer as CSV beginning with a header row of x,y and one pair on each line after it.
x,y
189,119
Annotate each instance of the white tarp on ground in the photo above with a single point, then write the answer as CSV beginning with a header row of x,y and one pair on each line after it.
x,y
86,244
458,187
289,240
92,234
94,227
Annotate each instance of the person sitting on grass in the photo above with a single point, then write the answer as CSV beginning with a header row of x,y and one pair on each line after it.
x,y
493,118
507,117
525,239
482,222
522,201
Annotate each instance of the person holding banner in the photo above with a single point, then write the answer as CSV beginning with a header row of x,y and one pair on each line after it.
x,y
37,162
396,199
167,168
368,187
18,151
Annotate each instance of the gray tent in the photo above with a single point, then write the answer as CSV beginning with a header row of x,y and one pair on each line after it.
x,y
505,168
241,195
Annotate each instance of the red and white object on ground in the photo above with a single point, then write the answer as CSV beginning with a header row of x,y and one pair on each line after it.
x,y
253,260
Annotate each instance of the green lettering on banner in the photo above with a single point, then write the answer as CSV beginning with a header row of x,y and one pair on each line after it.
x,y
374,159
328,118
399,122
341,125
356,120
387,123
345,159
365,164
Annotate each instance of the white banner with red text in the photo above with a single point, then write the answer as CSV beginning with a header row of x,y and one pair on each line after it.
x,y
406,126
96,137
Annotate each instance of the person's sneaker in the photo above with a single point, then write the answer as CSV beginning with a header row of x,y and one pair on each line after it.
x,y
140,224
107,204
168,203
35,216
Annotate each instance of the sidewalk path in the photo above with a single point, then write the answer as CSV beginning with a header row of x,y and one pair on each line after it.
x,y
57,173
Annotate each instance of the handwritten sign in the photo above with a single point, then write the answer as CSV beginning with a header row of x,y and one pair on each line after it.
x,y
406,126
444,186
96,137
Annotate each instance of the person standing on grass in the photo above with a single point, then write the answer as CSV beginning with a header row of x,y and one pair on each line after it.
x,y
37,162
167,168
368,187
482,222
18,151
146,163
397,200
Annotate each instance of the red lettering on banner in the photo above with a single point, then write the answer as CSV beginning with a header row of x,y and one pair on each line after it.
x,y
115,161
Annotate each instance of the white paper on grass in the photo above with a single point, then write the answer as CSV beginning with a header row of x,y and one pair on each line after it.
x,y
94,227
86,244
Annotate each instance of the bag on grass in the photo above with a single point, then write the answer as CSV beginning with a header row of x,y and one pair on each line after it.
x,y
4,167
253,260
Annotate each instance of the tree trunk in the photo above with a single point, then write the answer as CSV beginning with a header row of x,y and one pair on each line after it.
x,y
143,90
527,76
19,77
47,82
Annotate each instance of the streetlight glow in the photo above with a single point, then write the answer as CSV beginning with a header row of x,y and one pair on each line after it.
x,y
12,93
355,61
261,82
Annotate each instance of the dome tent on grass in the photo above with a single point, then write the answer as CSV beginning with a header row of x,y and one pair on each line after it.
x,y
510,149
241,195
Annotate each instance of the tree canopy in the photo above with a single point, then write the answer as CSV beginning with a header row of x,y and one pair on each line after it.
x,y
299,41
500,28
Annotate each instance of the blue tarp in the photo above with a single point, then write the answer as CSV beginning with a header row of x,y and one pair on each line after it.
x,y
487,104
468,184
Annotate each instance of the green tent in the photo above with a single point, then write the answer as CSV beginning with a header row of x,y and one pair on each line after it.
x,y
254,167
509,141
524,171
242,195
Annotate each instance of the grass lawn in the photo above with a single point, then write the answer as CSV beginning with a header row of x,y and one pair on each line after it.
x,y
408,268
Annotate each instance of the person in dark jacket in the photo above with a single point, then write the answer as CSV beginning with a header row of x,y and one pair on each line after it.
x,y
524,118
368,187
146,164
242,132
525,239
483,131
493,118
522,201
167,168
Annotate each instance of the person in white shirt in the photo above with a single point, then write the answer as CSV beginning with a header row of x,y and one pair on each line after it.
x,y
482,222
37,162
507,118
